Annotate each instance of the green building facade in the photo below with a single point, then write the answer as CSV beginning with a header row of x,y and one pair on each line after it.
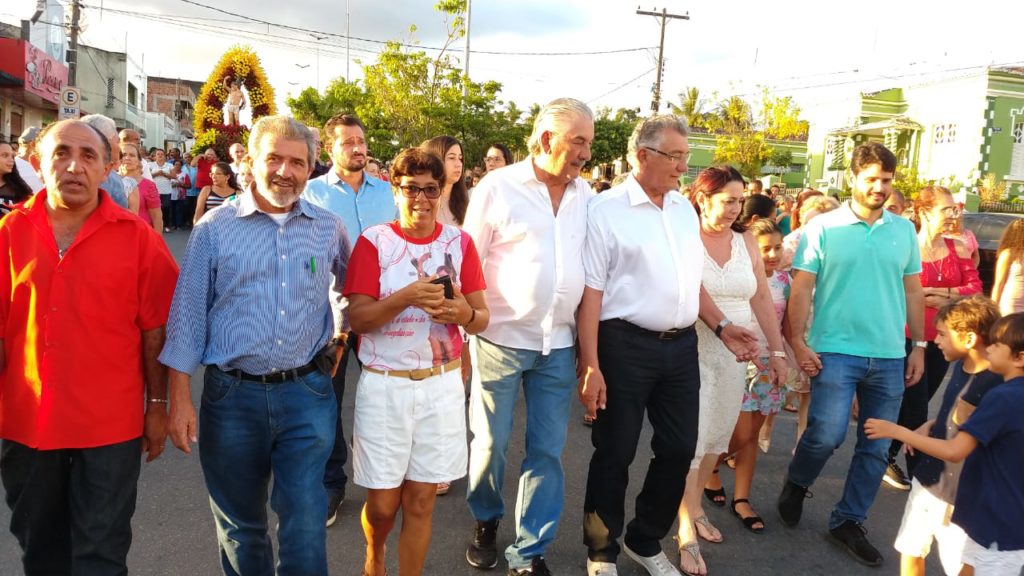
x,y
953,130
795,175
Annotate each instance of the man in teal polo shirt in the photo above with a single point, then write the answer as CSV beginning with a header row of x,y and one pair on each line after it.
x,y
861,266
361,201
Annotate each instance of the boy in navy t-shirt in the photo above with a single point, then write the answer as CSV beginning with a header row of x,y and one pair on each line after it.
x,y
962,330
990,497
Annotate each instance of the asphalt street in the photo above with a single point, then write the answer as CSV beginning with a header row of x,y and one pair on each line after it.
x,y
174,532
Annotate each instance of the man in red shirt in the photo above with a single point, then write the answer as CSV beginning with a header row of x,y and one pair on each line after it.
x,y
204,164
79,337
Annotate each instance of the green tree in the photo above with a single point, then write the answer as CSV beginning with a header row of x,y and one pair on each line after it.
x,y
611,134
742,139
315,109
691,107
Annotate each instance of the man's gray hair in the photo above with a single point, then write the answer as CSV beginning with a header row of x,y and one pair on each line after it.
x,y
649,131
554,114
282,127
106,128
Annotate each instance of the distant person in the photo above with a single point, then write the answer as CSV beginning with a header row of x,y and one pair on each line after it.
x,y
989,500
784,217
849,352
237,154
13,189
896,203
773,192
145,198
161,175
803,196
498,156
959,231
454,197
754,187
225,186
204,165
373,167
133,136
755,208
88,288
602,186
319,167
1008,287
114,184
27,147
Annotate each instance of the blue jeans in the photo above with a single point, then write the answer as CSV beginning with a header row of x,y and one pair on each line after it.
x,y
249,431
878,384
548,382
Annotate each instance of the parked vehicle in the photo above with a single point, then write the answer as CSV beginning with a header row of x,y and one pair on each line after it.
x,y
988,229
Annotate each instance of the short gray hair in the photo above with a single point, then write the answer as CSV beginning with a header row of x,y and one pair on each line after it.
x,y
106,128
648,133
555,113
282,127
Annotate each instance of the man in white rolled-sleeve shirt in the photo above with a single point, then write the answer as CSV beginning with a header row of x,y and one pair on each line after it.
x,y
529,222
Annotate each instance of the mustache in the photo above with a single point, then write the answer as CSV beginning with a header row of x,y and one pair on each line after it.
x,y
285,181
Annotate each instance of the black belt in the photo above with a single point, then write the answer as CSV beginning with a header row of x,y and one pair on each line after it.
x,y
664,335
274,377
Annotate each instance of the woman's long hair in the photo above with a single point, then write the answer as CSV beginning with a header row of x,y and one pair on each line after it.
x,y
1013,240
459,198
14,181
711,181
232,178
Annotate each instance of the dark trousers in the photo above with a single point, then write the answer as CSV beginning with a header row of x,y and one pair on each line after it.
x,y
71,509
178,213
661,377
335,477
914,409
165,210
190,210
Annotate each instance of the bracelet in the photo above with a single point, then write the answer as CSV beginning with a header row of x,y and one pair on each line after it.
x,y
159,400
471,318
778,354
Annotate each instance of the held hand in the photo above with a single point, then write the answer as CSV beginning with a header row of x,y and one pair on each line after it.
x,y
936,301
154,431
876,429
807,359
454,311
741,342
425,296
915,367
778,369
339,352
593,392
183,426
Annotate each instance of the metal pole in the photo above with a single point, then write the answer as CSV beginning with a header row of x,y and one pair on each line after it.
x,y
348,42
72,56
469,14
664,15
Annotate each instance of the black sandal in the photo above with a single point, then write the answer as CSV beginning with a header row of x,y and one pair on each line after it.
x,y
749,521
716,497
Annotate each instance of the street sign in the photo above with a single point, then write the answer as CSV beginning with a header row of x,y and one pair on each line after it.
x,y
70,98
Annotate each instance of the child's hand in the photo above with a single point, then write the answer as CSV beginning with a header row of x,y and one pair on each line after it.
x,y
876,429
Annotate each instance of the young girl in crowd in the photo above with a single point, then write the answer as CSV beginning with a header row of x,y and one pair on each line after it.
x,y
990,496
1008,288
762,398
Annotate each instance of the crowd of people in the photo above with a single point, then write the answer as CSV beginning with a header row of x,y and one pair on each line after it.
x,y
707,310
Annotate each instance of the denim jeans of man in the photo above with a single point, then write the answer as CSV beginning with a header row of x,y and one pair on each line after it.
x,y
71,509
549,385
661,377
248,432
878,386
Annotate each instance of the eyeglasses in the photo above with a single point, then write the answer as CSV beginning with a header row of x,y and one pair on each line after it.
x,y
413,191
493,158
677,158
952,211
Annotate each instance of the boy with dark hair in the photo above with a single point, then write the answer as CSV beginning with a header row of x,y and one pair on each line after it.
x,y
990,496
962,330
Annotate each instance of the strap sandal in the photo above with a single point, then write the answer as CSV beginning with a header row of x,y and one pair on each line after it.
x,y
749,521
716,497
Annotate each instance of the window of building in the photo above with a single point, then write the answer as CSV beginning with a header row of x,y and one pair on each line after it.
x,y
940,134
945,133
133,94
1018,133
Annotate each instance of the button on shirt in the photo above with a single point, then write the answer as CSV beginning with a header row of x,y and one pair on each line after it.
x,y
860,306
373,203
532,259
646,260
72,327
256,295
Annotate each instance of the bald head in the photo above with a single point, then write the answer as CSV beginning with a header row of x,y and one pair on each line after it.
x,y
73,160
129,135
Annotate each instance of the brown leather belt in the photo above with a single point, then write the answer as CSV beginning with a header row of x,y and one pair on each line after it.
x,y
419,373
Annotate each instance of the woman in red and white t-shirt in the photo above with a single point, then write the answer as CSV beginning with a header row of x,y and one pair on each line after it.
x,y
409,431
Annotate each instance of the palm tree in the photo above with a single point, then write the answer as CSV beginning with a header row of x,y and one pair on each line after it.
x,y
691,107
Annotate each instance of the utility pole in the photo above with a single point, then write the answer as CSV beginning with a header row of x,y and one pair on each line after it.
x,y
318,39
72,56
656,103
465,83
348,44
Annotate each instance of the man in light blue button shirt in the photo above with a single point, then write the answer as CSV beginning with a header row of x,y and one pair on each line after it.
x,y
362,201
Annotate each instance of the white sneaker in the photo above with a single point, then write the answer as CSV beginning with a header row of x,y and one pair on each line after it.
x,y
657,565
601,568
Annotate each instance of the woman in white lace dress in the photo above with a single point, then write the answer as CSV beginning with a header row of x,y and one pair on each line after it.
x,y
734,277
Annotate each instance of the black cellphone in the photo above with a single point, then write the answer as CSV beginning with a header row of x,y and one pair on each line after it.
x,y
445,281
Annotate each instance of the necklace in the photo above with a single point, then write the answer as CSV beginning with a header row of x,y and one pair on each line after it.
x,y
935,264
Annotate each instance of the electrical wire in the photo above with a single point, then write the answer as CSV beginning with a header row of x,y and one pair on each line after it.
x,y
621,86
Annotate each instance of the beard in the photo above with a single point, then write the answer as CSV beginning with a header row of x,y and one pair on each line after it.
x,y
281,192
355,164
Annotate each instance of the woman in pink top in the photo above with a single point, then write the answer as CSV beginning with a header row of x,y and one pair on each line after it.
x,y
148,195
1008,289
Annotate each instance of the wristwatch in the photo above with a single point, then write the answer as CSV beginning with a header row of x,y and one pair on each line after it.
x,y
721,326
920,343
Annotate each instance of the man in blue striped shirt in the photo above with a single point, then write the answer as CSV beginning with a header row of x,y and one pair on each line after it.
x,y
362,201
258,301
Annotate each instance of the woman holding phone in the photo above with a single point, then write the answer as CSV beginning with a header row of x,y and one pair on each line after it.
x,y
409,432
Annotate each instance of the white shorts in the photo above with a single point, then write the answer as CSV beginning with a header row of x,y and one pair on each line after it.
x,y
926,517
989,562
409,430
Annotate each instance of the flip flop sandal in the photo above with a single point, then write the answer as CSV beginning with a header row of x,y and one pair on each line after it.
x,y
706,523
693,549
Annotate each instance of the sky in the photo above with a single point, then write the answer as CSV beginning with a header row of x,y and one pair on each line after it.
x,y
816,52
